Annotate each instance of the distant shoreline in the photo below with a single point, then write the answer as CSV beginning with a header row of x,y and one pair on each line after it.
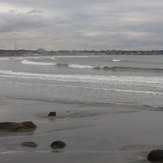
x,y
42,52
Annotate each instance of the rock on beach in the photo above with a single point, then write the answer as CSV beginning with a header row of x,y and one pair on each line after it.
x,y
58,144
15,127
52,114
155,155
29,144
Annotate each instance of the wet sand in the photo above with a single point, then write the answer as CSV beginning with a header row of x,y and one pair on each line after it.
x,y
93,133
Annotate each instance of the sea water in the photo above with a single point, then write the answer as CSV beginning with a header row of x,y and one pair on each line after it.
x,y
130,80
109,108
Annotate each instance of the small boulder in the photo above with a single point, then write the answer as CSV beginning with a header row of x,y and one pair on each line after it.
x,y
15,127
155,155
52,114
58,144
29,144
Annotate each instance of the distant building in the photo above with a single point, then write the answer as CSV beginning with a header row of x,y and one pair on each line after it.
x,y
40,50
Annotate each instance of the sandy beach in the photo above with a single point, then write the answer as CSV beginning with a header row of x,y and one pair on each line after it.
x,y
119,134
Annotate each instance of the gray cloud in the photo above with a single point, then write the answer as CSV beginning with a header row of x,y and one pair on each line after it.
x,y
95,24
17,22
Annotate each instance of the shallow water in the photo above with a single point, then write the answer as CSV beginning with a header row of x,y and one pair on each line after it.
x,y
113,134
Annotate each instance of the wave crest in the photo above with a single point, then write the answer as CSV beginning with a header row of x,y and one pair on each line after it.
x,y
27,62
78,66
119,68
84,78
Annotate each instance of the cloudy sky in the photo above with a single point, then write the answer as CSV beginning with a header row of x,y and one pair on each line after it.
x,y
81,24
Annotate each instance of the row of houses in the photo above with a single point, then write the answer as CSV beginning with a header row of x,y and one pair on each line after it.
x,y
75,52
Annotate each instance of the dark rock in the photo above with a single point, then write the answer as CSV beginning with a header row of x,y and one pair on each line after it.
x,y
14,127
155,155
29,144
52,114
58,145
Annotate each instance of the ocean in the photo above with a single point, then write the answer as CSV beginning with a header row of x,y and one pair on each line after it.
x,y
129,80
109,108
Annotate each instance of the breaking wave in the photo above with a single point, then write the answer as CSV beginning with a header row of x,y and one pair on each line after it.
x,y
27,62
73,65
84,78
116,68
80,66
105,68
116,60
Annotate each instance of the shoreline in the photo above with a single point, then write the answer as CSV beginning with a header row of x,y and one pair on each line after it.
x,y
115,134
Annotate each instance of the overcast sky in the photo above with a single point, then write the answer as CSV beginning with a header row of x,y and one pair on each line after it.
x,y
81,24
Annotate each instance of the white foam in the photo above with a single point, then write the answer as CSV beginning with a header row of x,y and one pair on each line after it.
x,y
79,66
27,62
116,60
109,79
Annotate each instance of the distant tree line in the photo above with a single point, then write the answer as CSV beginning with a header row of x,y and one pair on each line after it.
x,y
76,52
